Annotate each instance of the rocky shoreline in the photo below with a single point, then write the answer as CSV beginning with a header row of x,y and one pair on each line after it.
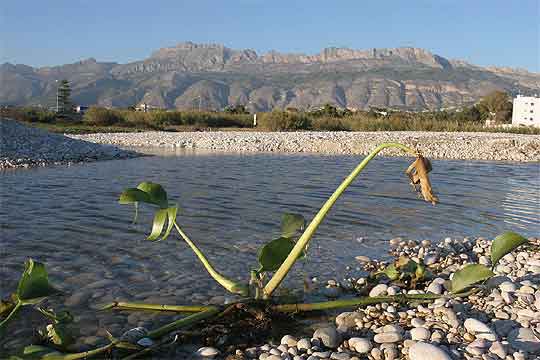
x,y
437,145
23,146
503,322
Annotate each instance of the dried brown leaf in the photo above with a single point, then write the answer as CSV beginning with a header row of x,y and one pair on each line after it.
x,y
418,173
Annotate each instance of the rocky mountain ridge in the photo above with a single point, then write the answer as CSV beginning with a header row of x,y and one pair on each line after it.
x,y
212,76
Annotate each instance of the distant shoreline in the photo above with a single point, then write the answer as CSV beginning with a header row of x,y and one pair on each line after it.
x,y
437,145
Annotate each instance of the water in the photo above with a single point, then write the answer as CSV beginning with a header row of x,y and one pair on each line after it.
x,y
68,217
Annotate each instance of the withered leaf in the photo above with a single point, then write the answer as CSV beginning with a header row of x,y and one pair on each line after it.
x,y
418,174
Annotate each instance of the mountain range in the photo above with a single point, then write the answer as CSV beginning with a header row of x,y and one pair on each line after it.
x,y
212,76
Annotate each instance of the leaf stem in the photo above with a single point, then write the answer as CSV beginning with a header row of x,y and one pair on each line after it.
x,y
187,321
15,309
156,307
301,244
228,284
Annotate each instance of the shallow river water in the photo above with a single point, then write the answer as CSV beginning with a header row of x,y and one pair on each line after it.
x,y
69,218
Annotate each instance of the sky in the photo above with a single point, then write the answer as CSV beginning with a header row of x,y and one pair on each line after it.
x,y
54,32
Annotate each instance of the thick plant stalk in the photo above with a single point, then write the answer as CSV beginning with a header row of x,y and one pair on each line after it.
x,y
336,304
184,322
317,220
228,284
156,307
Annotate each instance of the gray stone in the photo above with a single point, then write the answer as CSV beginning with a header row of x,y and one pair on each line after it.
x,y
378,290
425,351
524,339
329,336
289,340
479,329
303,344
360,345
420,334
208,351
387,337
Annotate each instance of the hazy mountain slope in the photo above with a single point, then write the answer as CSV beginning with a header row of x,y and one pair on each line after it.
x,y
212,76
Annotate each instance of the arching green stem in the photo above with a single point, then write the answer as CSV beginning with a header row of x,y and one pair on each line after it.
x,y
228,284
181,323
13,312
317,220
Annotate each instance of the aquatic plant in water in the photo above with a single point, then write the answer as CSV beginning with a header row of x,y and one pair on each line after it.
x,y
275,258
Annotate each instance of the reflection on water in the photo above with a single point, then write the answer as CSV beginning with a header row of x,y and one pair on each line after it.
x,y
69,218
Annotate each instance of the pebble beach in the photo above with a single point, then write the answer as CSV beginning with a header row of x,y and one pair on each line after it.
x,y
501,322
436,145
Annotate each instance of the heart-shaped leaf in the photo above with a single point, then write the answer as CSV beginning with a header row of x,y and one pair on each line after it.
x,y
157,194
470,275
145,192
505,244
272,255
291,224
34,283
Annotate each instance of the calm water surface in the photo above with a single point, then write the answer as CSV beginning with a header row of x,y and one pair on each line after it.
x,y
69,218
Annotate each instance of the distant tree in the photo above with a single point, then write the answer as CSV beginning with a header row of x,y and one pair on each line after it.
x,y
65,105
237,109
497,106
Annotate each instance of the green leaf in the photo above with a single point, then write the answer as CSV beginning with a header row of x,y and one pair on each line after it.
x,y
133,195
156,193
291,224
34,283
505,244
37,352
171,213
470,275
159,222
391,272
272,255
145,192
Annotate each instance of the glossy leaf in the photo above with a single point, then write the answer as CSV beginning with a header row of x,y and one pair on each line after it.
x,y
34,283
133,195
59,335
145,192
158,224
156,193
470,275
291,224
505,244
171,214
272,255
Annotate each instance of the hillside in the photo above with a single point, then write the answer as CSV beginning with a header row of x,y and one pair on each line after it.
x,y
212,76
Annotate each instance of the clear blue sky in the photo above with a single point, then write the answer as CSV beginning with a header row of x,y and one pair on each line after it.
x,y
484,32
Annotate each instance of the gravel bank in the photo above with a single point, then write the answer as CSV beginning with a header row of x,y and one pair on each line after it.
x,y
466,146
23,146
502,322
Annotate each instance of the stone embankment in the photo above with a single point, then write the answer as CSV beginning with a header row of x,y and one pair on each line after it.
x,y
24,146
438,145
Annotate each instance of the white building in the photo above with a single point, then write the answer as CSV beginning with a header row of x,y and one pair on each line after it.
x,y
526,111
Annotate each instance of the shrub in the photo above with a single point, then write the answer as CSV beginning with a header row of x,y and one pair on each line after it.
x,y
279,120
102,117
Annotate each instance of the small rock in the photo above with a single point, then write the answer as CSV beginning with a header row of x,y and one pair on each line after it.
x,y
387,337
479,329
289,340
329,336
378,290
208,351
425,351
524,339
360,345
420,334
